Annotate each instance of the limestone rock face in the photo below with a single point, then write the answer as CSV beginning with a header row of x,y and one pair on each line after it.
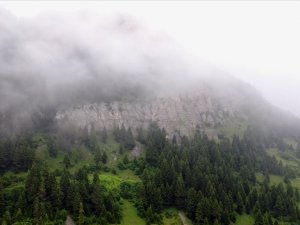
x,y
181,113
208,104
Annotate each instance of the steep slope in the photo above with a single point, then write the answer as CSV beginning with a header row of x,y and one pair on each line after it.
x,y
208,104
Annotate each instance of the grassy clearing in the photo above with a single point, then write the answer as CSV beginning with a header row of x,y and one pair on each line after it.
x,y
110,182
287,158
290,141
128,175
259,177
15,181
232,127
171,221
130,215
244,219
112,149
275,180
171,217
113,181
296,183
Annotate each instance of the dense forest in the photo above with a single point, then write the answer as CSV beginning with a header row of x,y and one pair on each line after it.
x,y
212,181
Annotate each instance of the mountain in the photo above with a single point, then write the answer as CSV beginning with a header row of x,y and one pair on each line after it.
x,y
214,105
123,72
104,122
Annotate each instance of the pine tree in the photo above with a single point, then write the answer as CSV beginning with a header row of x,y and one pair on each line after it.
x,y
18,216
239,204
67,161
191,202
259,219
104,158
65,185
2,204
37,212
104,135
52,147
96,197
129,140
125,160
7,217
200,217
75,200
179,193
81,215
121,149
98,156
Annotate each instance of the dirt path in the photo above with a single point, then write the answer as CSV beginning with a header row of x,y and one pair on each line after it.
x,y
183,218
69,221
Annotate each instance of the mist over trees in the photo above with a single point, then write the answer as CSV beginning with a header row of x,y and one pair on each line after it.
x,y
51,170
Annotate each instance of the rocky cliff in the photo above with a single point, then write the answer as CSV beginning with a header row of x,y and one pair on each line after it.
x,y
209,107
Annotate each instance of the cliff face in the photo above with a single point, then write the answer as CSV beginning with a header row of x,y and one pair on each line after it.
x,y
212,105
177,113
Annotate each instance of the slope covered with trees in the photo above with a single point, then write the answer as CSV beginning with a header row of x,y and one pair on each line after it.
x,y
213,182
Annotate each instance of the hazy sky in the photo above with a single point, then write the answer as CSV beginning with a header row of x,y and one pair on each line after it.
x,y
256,41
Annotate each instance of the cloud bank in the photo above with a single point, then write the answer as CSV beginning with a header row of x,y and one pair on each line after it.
x,y
55,59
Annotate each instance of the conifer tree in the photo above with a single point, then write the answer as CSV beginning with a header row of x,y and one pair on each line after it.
x,y
104,135
81,215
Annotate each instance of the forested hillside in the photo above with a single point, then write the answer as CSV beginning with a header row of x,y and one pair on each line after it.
x,y
104,175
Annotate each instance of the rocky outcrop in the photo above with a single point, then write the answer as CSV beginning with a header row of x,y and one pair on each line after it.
x,y
181,113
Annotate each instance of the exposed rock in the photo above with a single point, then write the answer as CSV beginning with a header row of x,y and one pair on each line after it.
x,y
136,151
180,113
69,221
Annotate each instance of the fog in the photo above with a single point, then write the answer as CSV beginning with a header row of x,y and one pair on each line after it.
x,y
64,52
79,56
59,59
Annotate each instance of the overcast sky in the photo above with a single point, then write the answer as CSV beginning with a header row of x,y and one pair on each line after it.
x,y
256,41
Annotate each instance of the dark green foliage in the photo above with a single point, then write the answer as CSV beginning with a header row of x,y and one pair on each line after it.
x,y
67,161
124,137
52,147
214,181
104,158
43,200
103,135
211,181
16,155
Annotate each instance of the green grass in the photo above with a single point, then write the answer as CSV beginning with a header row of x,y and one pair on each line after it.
x,y
232,127
275,180
296,183
17,181
111,147
171,217
128,175
244,219
55,163
287,158
259,177
130,215
172,221
112,181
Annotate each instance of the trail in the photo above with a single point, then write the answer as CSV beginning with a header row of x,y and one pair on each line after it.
x,y
69,221
183,218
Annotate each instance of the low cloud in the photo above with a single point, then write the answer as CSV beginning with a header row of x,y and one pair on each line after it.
x,y
56,59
